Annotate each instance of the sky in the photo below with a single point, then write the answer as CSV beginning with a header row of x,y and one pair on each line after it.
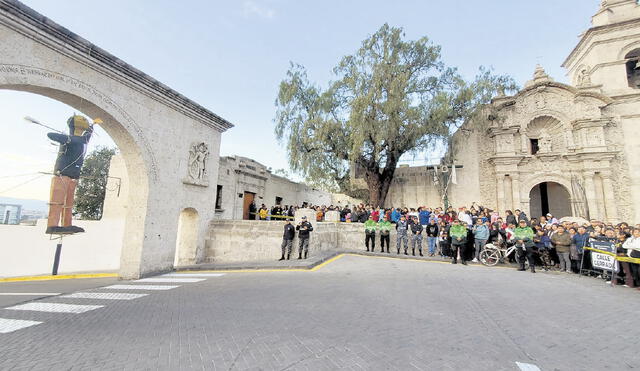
x,y
230,56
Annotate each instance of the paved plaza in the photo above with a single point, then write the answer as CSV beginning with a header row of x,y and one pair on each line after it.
x,y
354,313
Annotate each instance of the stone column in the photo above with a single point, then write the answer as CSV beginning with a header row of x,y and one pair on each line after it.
x,y
610,207
500,193
515,189
590,190
524,143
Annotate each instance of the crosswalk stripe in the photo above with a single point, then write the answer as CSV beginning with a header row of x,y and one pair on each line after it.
x,y
527,366
29,293
171,280
141,287
10,325
55,307
104,295
193,275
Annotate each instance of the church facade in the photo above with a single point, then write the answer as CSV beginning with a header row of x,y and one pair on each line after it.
x,y
565,149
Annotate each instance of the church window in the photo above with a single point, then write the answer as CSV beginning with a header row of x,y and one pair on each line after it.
x,y
535,147
633,68
219,197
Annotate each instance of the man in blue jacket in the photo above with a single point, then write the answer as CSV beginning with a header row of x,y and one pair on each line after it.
x,y
480,237
424,214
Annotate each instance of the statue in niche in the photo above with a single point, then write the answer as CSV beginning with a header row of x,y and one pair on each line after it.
x,y
584,79
544,142
197,165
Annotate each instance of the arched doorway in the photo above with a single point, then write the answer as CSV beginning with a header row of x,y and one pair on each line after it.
x,y
187,241
549,197
130,150
155,128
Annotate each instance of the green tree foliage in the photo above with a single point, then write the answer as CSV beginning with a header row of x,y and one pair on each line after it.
x,y
389,98
89,199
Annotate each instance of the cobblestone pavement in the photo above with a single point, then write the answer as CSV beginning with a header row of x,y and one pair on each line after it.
x,y
355,313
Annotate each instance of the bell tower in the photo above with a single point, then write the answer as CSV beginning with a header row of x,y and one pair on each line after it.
x,y
607,61
607,56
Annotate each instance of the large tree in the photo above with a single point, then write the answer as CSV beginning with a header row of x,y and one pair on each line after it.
x,y
390,98
89,200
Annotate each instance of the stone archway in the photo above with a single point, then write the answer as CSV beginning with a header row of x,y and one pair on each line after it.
x,y
187,241
154,127
549,197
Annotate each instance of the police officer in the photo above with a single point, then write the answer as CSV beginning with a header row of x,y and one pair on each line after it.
x,y
370,227
304,229
458,233
416,236
402,227
384,225
287,239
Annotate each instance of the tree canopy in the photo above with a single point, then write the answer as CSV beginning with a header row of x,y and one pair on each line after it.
x,y
89,200
391,97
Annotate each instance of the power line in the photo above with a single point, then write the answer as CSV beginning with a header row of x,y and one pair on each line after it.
x,y
21,184
17,175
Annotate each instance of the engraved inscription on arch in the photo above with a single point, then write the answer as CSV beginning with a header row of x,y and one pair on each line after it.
x,y
22,74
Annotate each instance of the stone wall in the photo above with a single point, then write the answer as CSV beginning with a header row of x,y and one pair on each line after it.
x,y
235,241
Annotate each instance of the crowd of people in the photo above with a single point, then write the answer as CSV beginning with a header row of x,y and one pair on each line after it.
x,y
461,235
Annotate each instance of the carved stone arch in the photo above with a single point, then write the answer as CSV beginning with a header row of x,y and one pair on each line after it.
x,y
561,183
627,49
565,121
549,129
534,179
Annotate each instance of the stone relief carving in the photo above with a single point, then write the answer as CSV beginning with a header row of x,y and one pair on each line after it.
x,y
197,165
545,142
584,77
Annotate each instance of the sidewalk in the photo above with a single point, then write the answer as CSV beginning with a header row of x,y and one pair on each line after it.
x,y
295,263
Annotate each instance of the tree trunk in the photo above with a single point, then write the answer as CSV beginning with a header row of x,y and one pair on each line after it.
x,y
378,185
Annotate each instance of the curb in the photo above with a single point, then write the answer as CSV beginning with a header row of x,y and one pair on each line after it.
x,y
313,265
58,277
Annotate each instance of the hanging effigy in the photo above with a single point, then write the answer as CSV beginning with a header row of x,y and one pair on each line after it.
x,y
71,152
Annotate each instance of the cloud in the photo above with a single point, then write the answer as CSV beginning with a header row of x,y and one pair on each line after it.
x,y
251,8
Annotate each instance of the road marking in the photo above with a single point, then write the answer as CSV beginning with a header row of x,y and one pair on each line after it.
x,y
29,293
141,287
10,325
527,367
193,275
60,277
104,295
55,307
327,262
170,280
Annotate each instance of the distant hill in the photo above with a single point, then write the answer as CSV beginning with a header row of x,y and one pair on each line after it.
x,y
37,205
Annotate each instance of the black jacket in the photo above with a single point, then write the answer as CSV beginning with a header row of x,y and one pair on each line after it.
x,y
289,232
304,233
70,153
416,228
432,230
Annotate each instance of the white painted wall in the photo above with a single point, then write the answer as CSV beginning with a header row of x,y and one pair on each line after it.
x,y
26,250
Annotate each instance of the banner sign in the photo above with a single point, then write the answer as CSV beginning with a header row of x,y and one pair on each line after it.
x,y
604,261
604,246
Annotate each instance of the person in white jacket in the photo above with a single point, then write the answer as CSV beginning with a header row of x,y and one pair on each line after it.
x,y
632,244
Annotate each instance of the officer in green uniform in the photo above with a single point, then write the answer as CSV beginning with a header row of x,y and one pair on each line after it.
x,y
458,233
384,225
523,236
370,227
